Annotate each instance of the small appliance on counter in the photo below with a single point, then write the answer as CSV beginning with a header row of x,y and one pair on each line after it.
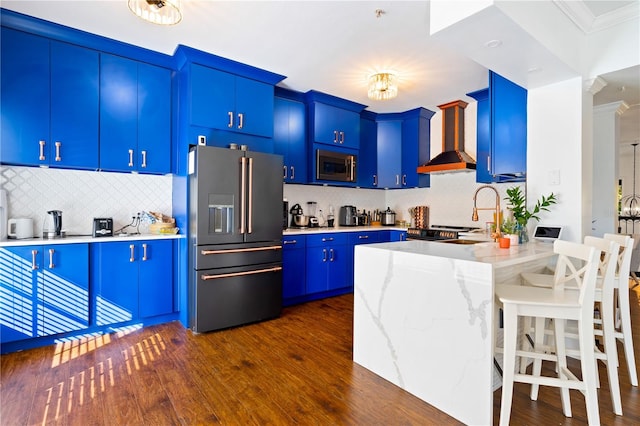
x,y
103,227
388,217
52,227
298,219
20,228
313,219
348,216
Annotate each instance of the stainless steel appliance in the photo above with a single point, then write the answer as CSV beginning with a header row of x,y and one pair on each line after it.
x,y
348,216
437,232
388,217
235,236
52,227
336,166
103,227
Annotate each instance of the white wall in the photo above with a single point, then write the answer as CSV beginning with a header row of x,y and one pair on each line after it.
x,y
554,152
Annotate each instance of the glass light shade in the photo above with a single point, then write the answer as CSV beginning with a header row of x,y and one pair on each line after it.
x,y
382,86
161,12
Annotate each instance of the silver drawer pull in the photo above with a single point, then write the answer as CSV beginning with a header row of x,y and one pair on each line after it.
x,y
363,237
324,240
290,242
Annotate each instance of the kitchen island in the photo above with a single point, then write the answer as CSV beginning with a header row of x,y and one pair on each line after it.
x,y
423,317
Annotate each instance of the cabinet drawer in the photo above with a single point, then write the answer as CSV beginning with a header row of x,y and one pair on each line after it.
x,y
366,237
326,239
291,242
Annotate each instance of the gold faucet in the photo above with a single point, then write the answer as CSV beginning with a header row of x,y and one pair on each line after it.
x,y
474,217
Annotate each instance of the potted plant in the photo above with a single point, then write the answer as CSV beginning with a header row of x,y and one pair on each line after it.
x,y
518,206
509,229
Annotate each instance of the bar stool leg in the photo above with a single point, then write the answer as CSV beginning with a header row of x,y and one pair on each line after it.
x,y
588,371
627,339
510,325
561,367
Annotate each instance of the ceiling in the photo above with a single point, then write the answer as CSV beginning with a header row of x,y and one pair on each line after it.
x,y
332,46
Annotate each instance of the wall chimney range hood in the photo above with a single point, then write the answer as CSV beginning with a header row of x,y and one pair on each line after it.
x,y
452,158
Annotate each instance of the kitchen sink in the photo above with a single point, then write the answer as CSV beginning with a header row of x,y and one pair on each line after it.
x,y
461,241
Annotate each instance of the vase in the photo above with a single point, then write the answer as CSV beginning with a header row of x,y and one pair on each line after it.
x,y
523,234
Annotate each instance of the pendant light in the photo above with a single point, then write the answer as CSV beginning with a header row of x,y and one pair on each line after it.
x,y
630,204
161,12
382,86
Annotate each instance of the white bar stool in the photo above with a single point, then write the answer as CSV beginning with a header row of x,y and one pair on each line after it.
x,y
623,311
559,305
603,294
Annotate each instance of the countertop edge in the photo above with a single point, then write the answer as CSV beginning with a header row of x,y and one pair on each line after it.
x,y
311,231
86,239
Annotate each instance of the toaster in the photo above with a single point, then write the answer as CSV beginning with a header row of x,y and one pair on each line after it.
x,y
103,227
348,216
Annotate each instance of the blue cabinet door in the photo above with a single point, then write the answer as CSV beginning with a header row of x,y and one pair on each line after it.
x,y
118,113
114,274
389,153
135,116
63,300
212,98
253,107
25,92
49,99
155,261
154,119
317,270
337,267
19,274
368,157
416,129
293,266
335,126
74,106
289,139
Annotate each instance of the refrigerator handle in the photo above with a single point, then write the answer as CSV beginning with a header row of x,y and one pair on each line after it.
x,y
243,194
206,277
250,198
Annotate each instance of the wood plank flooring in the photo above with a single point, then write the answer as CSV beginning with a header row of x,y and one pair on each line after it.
x,y
296,369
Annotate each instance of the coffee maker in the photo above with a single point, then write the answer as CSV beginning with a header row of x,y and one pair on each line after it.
x,y
52,226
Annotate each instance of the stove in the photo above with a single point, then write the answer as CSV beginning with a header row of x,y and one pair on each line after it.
x,y
437,232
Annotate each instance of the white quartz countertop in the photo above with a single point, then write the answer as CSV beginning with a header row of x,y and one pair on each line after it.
x,y
74,239
485,252
297,231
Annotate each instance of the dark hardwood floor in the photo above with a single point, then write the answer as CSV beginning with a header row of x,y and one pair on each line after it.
x,y
296,369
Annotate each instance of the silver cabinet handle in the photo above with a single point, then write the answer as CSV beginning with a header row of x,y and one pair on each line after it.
x,y
284,172
341,137
488,163
327,239
363,237
130,158
397,179
58,145
34,265
324,255
335,136
375,180
290,242
331,257
51,265
240,121
144,159
404,180
42,157
293,172
250,207
144,253
243,194
240,274
230,125
132,253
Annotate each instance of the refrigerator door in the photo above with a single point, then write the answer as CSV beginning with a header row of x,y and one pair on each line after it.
x,y
264,197
215,195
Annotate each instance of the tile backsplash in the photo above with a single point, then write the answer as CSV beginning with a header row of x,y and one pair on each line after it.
x,y
82,195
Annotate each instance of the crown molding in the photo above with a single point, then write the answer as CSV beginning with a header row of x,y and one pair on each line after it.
x,y
586,21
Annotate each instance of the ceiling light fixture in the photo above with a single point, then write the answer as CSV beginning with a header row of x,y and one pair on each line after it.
x,y
161,12
382,86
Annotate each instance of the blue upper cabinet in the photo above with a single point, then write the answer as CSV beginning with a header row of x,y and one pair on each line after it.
x,y
416,141
334,121
368,164
289,136
389,150
502,131
49,100
135,116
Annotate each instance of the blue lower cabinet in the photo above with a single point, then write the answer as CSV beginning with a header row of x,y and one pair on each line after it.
x,y
397,236
294,271
132,279
327,262
44,290
357,238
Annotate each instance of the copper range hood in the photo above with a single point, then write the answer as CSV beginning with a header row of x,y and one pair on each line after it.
x,y
452,158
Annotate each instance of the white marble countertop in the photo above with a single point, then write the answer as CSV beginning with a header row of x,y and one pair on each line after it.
x,y
74,239
298,231
484,252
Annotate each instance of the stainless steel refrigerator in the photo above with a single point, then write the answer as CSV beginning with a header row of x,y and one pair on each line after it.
x,y
235,217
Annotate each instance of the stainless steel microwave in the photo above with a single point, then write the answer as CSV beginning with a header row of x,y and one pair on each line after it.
x,y
336,166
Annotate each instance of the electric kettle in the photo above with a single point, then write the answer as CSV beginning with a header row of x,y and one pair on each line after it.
x,y
52,226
